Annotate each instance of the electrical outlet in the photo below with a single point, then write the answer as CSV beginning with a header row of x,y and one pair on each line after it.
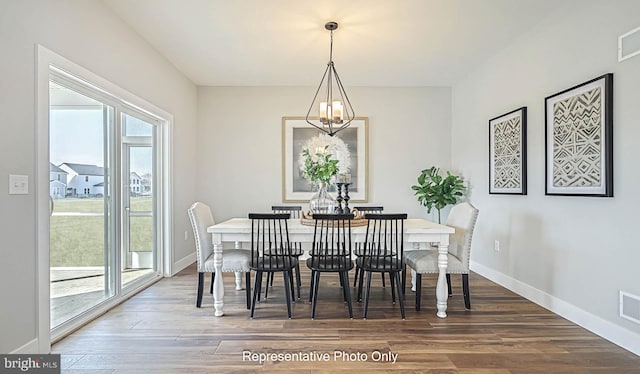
x,y
630,306
186,235
496,245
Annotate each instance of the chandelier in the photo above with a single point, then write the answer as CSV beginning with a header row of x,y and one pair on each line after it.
x,y
335,110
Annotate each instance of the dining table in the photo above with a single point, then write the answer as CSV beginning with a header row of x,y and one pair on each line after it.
x,y
418,234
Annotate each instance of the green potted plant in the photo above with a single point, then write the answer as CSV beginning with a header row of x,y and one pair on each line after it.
x,y
319,169
435,191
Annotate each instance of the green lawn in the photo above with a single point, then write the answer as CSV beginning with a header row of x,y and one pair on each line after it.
x,y
79,240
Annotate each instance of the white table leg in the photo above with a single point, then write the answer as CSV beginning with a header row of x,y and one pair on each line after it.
x,y
218,284
239,274
416,246
413,280
441,288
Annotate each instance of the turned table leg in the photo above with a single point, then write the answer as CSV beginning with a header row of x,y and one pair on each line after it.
x,y
218,284
441,288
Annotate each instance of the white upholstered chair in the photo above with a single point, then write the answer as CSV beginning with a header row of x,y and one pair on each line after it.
x,y
463,218
235,260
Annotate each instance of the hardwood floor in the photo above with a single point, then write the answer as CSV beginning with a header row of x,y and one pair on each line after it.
x,y
161,330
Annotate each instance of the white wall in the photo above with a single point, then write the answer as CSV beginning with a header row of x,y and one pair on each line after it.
x,y
579,250
87,33
240,143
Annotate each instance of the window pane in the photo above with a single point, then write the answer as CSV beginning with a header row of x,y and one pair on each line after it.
x,y
136,127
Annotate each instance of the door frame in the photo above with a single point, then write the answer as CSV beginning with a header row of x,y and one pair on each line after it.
x,y
45,59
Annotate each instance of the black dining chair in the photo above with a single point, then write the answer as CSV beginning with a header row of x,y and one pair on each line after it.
x,y
364,209
271,252
383,253
331,252
296,247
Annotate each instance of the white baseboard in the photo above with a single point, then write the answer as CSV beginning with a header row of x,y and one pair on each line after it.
x,y
608,330
179,265
29,347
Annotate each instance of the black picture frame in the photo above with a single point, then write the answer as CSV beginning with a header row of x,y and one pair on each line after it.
x,y
508,153
579,139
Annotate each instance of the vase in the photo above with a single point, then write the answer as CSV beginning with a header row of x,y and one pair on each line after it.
x,y
322,202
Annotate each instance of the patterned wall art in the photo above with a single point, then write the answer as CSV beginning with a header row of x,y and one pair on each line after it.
x,y
508,153
579,140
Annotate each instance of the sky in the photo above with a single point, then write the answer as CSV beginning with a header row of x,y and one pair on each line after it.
x,y
77,136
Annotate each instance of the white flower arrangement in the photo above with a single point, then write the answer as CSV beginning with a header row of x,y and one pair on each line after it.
x,y
323,144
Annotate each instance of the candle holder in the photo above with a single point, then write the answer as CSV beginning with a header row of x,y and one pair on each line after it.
x,y
338,209
346,197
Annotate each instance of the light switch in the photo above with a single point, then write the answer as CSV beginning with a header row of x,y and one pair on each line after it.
x,y
18,184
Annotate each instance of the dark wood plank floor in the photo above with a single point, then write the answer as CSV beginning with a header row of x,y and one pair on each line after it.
x,y
161,330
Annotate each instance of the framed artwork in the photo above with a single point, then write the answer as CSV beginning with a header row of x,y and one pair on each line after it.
x,y
508,153
351,146
579,140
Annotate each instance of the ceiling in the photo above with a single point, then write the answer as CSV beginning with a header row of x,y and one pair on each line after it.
x,y
283,42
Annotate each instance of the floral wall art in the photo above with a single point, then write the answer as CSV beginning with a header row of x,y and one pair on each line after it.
x,y
349,147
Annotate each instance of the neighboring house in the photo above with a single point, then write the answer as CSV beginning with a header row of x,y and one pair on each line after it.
x,y
135,184
57,189
84,180
146,184
57,182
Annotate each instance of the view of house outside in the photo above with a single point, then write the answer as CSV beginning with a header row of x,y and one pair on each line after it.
x,y
76,185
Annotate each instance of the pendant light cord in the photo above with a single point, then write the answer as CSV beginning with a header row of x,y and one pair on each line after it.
x,y
331,48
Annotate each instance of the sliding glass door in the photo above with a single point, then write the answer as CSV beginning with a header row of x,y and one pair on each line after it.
x,y
138,197
104,227
80,224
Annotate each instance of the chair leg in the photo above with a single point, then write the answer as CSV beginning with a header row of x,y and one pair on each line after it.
x,y
465,291
260,285
256,291
292,289
213,279
200,288
360,282
312,285
404,280
418,290
393,288
248,288
298,281
366,295
316,281
288,283
347,291
400,296
449,284
383,284
343,286
271,275
355,277
266,285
